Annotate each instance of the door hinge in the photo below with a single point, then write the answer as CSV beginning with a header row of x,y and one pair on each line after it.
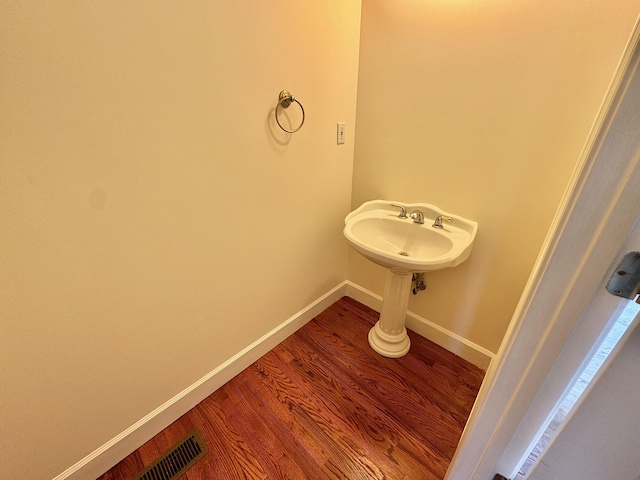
x,y
625,281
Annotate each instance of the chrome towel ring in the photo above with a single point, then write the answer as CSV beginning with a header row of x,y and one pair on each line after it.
x,y
284,100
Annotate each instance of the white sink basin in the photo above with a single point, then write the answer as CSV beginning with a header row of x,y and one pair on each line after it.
x,y
405,247
376,232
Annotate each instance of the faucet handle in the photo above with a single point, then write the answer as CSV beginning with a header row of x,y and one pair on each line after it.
x,y
403,211
439,219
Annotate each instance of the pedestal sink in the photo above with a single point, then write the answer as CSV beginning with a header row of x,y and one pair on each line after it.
x,y
391,234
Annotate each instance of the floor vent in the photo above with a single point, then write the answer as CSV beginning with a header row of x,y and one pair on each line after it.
x,y
174,463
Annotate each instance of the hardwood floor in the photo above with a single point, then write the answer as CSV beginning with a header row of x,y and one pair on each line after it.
x,y
323,405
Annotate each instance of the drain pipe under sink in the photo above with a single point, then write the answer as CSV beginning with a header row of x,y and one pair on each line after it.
x,y
418,283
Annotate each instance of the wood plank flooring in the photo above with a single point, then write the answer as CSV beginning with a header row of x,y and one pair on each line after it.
x,y
323,405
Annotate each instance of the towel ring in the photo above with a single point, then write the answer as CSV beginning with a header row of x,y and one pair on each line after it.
x,y
284,100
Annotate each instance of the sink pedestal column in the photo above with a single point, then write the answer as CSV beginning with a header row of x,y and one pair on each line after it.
x,y
389,336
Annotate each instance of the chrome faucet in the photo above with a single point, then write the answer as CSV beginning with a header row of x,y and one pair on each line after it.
x,y
417,216
439,219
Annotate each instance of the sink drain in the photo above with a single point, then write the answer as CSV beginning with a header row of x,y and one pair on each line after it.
x,y
404,254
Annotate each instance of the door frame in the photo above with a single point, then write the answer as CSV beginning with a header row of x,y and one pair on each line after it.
x,y
595,324
598,210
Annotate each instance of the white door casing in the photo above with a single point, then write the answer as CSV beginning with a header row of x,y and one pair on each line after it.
x,y
596,322
600,440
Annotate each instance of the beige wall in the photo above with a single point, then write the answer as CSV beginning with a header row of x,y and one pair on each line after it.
x,y
154,221
481,108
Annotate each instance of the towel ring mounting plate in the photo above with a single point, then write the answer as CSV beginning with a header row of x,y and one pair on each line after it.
x,y
285,99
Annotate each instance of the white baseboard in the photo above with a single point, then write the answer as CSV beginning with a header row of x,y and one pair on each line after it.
x,y
479,356
109,454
